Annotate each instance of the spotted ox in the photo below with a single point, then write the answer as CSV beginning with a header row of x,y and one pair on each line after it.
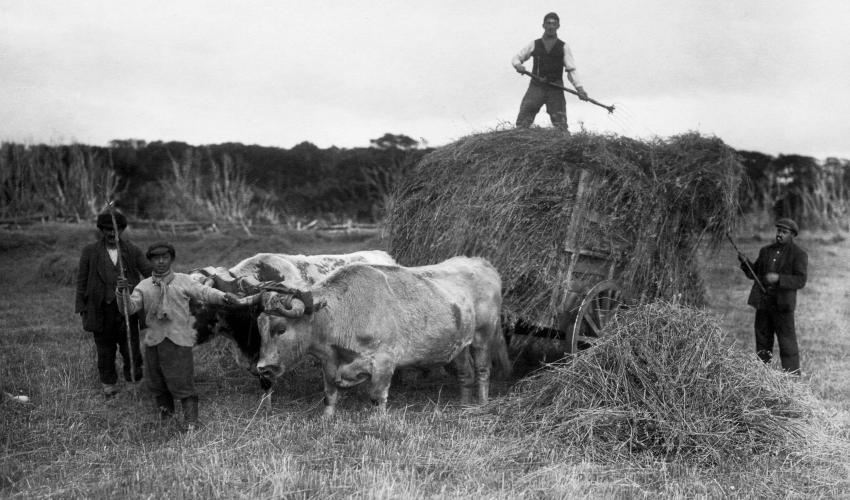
x,y
240,324
364,321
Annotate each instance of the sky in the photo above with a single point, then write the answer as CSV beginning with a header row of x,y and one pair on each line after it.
x,y
762,75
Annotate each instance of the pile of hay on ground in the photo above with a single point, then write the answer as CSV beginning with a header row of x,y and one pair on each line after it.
x,y
59,268
661,381
509,196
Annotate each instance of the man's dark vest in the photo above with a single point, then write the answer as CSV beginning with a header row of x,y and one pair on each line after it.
x,y
549,65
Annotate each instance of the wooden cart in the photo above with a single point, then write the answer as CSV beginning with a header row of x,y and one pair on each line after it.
x,y
594,290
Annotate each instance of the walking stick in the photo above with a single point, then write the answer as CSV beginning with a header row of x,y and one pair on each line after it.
x,y
110,207
747,263
565,89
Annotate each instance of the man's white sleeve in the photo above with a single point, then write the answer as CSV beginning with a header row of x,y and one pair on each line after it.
x,y
523,55
570,67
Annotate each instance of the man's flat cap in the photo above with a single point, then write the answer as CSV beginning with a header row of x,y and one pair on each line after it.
x,y
788,224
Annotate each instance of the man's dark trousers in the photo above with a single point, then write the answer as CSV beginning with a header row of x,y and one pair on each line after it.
x,y
535,97
114,336
770,322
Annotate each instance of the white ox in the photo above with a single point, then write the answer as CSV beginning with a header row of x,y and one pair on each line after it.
x,y
240,324
364,321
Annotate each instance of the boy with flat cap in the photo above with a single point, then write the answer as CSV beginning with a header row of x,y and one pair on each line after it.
x,y
781,270
170,336
97,275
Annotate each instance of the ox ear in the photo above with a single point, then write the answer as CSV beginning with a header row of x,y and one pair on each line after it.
x,y
206,271
225,281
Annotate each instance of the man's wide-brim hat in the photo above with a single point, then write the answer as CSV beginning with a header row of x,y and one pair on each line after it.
x,y
788,224
104,220
160,248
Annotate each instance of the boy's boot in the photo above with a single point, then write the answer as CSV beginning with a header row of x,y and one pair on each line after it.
x,y
165,405
190,412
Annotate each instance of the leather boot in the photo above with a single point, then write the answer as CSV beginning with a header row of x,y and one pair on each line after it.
x,y
165,405
190,412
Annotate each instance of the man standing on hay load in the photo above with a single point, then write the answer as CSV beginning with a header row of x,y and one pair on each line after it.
x,y
97,275
170,335
552,57
780,270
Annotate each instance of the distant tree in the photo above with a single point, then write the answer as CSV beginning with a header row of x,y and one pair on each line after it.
x,y
394,141
755,191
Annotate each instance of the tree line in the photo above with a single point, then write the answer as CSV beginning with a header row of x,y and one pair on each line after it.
x,y
249,183
178,181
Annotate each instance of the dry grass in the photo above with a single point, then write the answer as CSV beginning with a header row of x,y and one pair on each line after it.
x,y
59,268
662,382
69,442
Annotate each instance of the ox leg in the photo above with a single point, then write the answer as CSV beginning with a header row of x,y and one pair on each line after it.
x,y
331,392
382,377
463,366
481,361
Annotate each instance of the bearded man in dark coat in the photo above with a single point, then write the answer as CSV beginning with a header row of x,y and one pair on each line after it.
x,y
778,272
97,277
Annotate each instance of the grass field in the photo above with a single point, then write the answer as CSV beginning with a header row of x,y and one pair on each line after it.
x,y
68,441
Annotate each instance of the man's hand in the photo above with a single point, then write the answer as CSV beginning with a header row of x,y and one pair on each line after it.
x,y
519,68
772,278
581,93
122,285
230,298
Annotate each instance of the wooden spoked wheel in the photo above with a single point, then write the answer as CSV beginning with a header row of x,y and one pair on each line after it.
x,y
595,311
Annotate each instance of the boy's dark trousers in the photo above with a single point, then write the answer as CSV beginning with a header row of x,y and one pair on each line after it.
x,y
170,374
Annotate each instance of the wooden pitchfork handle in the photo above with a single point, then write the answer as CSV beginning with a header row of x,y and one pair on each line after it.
x,y
123,298
747,263
552,84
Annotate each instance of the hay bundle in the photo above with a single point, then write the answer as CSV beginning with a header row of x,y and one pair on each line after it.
x,y
510,196
58,267
661,381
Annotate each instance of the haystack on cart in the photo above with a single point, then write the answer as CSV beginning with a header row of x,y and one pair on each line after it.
x,y
576,225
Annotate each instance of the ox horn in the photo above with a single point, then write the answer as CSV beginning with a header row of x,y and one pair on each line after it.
x,y
281,304
250,300
248,284
292,308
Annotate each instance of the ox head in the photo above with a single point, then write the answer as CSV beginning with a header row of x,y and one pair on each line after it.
x,y
237,322
285,327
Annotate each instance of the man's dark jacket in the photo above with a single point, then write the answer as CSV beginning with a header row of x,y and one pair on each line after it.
x,y
791,267
96,279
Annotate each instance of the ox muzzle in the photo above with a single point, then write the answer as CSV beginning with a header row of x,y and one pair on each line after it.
x,y
270,372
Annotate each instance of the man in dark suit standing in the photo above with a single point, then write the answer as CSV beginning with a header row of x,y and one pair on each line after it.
x,y
779,271
97,276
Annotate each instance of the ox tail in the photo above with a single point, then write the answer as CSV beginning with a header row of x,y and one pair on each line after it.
x,y
502,367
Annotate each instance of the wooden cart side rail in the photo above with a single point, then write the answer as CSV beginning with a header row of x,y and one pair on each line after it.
x,y
572,231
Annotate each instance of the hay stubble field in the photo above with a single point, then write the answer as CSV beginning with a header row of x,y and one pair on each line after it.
x,y
69,442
